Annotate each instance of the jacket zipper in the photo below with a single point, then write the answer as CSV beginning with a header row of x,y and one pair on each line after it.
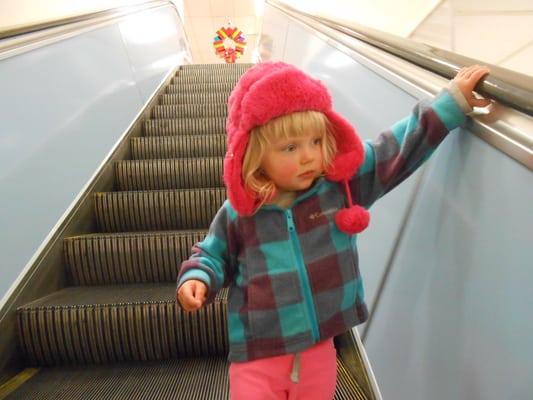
x,y
304,279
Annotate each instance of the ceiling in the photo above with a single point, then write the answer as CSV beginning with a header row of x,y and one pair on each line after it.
x,y
204,17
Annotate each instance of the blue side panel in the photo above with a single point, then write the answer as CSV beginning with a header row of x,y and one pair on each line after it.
x,y
63,107
455,318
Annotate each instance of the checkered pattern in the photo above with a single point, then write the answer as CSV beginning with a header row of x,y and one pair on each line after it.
x,y
289,285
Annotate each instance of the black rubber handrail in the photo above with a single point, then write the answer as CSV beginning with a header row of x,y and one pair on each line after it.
x,y
508,87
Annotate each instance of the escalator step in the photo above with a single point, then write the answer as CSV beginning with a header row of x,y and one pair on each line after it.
x,y
347,387
199,87
179,173
190,110
106,324
202,68
127,258
184,146
194,98
157,209
215,66
184,126
207,78
201,74
182,379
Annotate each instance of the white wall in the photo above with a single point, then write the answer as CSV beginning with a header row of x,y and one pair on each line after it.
x,y
493,31
204,17
397,17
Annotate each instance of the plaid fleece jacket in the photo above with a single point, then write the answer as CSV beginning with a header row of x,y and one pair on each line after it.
x,y
293,276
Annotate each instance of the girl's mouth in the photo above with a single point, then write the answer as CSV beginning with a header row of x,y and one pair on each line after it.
x,y
307,175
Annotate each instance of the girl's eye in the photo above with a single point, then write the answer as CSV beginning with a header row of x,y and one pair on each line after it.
x,y
317,141
290,147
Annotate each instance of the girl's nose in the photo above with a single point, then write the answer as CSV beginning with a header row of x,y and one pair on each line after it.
x,y
306,155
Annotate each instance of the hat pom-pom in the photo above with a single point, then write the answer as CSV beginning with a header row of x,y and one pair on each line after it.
x,y
352,220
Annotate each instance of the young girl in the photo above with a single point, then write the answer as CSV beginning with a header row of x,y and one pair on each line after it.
x,y
299,182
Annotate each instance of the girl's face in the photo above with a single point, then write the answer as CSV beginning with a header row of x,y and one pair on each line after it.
x,y
294,163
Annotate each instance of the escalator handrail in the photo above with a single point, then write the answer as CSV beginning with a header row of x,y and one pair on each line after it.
x,y
508,87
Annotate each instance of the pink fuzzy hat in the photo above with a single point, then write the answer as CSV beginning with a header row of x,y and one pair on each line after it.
x,y
270,90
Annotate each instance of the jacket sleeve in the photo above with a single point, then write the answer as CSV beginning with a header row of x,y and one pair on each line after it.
x,y
396,153
211,261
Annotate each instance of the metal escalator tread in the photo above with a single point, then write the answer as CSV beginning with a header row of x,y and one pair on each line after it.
x,y
178,146
199,87
230,79
216,66
199,68
177,379
157,209
184,126
205,74
178,173
119,323
187,379
128,258
195,98
190,110
74,296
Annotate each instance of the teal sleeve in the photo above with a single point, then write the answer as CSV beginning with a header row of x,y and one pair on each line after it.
x,y
196,274
398,152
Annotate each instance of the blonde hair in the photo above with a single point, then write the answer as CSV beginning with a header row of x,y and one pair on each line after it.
x,y
290,125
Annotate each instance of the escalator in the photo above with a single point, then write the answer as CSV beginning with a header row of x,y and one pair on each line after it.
x,y
115,332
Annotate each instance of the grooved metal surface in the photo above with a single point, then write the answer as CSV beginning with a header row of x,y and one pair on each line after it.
x,y
182,146
200,87
203,74
169,174
183,379
207,78
194,98
123,258
184,126
187,67
105,324
157,209
347,387
186,379
190,110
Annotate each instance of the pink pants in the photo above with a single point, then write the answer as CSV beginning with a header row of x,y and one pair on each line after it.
x,y
309,375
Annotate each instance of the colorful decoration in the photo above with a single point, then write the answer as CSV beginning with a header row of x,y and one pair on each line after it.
x,y
229,44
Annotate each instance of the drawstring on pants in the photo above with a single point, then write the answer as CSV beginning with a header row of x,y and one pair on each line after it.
x,y
295,373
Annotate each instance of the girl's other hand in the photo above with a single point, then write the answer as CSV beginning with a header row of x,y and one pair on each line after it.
x,y
191,295
466,80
